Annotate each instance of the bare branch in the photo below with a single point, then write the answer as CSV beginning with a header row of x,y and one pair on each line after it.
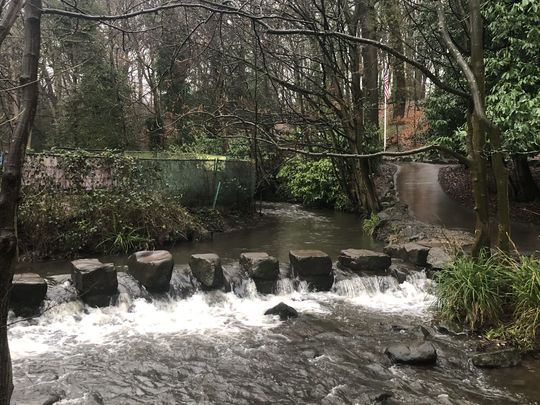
x,y
9,18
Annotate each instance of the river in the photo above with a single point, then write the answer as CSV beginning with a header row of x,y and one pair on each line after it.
x,y
219,348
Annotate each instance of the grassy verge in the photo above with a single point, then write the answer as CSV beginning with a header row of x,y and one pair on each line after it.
x,y
497,295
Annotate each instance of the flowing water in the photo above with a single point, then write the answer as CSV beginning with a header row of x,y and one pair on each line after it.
x,y
219,348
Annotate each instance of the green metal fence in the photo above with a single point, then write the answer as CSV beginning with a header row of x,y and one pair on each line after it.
x,y
204,182
199,180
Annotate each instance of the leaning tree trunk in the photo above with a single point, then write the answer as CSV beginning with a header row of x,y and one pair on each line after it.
x,y
524,188
11,182
497,158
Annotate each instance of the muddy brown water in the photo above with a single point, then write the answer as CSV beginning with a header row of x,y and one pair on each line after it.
x,y
219,348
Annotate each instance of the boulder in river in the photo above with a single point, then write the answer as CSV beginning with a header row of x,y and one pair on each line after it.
x,y
313,266
310,263
152,268
96,282
497,359
260,265
207,270
411,252
363,260
27,293
283,310
414,353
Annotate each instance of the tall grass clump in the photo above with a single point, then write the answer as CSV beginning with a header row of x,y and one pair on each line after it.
x,y
370,224
525,279
495,291
473,291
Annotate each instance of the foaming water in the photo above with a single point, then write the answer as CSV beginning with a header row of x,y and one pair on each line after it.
x,y
72,323
215,348
385,294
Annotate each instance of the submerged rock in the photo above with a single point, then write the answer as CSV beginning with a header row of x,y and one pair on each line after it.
x,y
363,260
414,354
207,270
260,265
283,310
497,359
96,282
153,269
27,293
410,252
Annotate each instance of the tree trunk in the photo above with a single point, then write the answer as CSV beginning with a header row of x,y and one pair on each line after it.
x,y
396,39
370,86
497,159
11,182
524,188
482,238
501,182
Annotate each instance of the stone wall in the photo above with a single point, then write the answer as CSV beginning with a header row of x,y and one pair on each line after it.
x,y
195,181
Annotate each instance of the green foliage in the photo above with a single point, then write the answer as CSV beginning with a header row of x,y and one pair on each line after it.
x,y
495,291
514,98
203,144
125,216
472,291
445,114
370,224
313,183
512,81
94,116
525,278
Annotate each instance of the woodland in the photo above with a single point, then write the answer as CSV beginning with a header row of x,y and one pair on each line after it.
x,y
296,86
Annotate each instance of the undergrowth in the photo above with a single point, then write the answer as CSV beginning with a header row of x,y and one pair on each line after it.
x,y
127,215
370,224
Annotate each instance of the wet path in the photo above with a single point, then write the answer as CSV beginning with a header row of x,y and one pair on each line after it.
x,y
418,187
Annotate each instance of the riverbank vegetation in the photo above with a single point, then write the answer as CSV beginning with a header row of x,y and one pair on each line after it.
x,y
271,81
495,294
68,217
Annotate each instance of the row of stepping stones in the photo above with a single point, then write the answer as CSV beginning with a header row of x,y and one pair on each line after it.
x,y
96,282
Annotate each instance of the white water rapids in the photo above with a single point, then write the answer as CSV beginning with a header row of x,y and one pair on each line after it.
x,y
72,323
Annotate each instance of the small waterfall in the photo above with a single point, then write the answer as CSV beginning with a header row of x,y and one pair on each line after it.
x,y
356,286
246,288
384,293
285,286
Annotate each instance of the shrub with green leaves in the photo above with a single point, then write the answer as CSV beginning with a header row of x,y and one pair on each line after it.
x,y
313,183
370,224
130,214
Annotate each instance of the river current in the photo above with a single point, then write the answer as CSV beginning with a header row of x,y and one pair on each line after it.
x,y
220,348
